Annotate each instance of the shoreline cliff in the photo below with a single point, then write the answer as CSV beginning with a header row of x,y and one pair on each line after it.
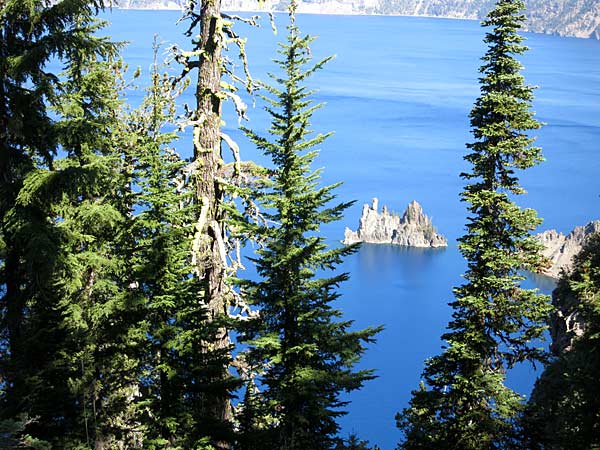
x,y
560,249
558,17
412,229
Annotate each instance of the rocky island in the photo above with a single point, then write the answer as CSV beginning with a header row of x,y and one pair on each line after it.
x,y
560,249
412,229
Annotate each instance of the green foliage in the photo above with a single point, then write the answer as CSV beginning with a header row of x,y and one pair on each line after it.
x,y
354,443
564,410
463,403
114,307
210,32
303,350
83,193
12,435
166,282
34,195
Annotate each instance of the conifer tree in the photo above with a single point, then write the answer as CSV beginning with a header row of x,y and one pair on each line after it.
x,y
93,276
165,282
31,33
93,373
354,443
564,408
463,403
307,350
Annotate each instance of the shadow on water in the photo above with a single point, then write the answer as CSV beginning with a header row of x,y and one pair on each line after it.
x,y
375,258
407,290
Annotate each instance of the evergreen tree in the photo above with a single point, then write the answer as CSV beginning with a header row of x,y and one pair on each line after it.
x,y
92,370
165,281
12,434
307,351
80,269
36,391
463,403
93,276
354,443
564,409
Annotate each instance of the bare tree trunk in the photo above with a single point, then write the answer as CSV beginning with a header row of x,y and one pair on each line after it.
x,y
209,162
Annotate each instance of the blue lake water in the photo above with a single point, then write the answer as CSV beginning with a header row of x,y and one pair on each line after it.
x,y
398,95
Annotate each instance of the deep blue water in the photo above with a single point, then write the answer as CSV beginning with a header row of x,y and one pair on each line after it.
x,y
398,95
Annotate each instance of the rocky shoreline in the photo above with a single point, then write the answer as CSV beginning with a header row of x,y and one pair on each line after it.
x,y
412,229
560,249
560,17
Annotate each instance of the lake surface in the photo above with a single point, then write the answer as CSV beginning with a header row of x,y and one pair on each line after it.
x,y
398,96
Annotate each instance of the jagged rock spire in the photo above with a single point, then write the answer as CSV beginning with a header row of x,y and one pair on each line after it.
x,y
412,229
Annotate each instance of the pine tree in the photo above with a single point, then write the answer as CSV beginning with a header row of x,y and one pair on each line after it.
x,y
307,350
94,276
92,371
564,408
165,283
32,32
463,402
354,443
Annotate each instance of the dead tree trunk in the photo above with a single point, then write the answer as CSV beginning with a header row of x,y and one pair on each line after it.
x,y
209,245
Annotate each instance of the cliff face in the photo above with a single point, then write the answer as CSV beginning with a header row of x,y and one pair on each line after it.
x,y
563,408
413,229
150,4
579,18
560,249
576,298
566,323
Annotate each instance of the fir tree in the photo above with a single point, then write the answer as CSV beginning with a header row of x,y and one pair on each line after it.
x,y
93,372
564,409
463,403
354,443
165,283
94,276
307,350
32,32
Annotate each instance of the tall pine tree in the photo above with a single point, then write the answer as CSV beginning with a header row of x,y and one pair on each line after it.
x,y
463,403
307,350
31,33
164,280
94,273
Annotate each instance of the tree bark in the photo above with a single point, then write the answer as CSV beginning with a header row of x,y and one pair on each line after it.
x,y
208,159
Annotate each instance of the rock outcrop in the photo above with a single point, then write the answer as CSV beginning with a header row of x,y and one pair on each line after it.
x,y
560,249
576,304
413,229
566,323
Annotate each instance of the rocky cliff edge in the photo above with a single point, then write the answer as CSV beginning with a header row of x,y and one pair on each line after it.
x,y
579,18
560,249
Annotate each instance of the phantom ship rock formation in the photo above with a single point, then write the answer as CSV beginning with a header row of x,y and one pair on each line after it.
x,y
413,229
